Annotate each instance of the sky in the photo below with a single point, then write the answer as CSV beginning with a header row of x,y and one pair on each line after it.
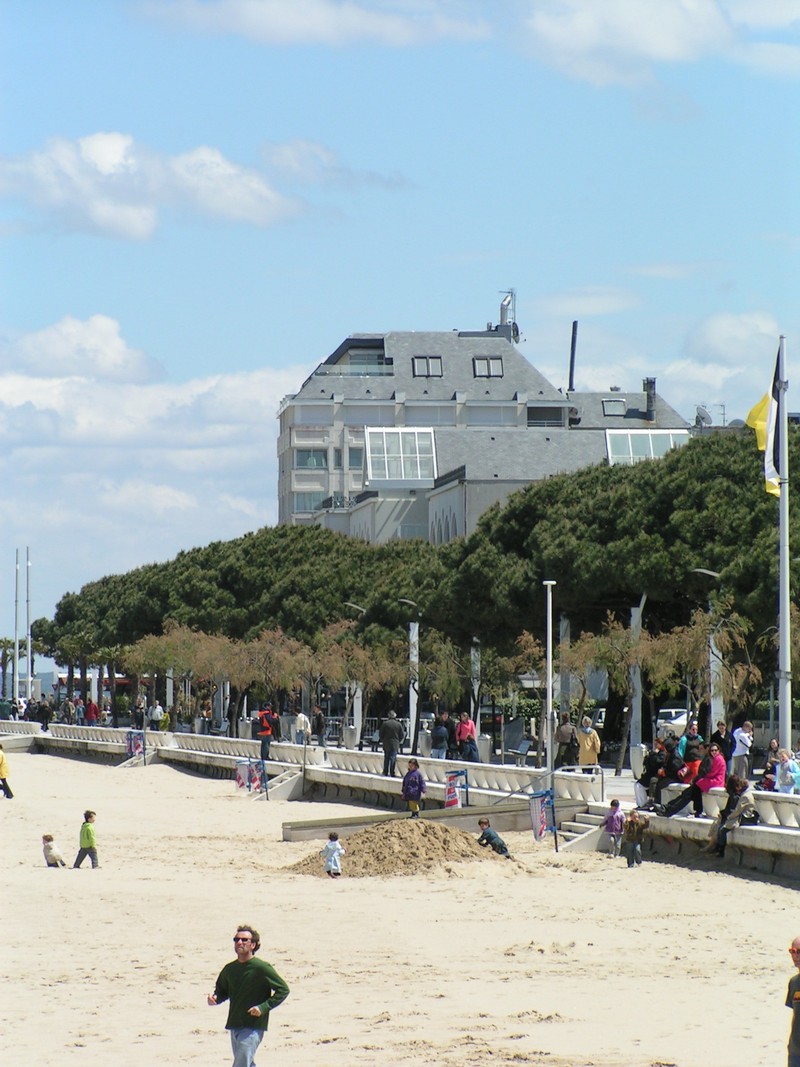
x,y
200,199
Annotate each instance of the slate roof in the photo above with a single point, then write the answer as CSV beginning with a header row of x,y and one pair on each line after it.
x,y
456,351
590,412
516,454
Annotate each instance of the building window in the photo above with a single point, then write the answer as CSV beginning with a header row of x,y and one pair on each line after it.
x,y
545,416
355,459
310,457
626,447
427,366
400,455
337,459
487,366
618,406
308,501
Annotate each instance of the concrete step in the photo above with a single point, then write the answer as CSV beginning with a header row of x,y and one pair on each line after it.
x,y
587,818
574,828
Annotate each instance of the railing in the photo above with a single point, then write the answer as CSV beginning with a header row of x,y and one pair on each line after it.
x,y
19,726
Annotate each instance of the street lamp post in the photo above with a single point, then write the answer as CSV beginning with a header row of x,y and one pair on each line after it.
x,y
413,675
716,701
549,680
358,707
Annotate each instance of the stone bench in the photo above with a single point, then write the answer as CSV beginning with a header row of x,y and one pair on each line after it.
x,y
774,809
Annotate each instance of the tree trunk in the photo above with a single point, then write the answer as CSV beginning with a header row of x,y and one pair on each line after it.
x,y
112,689
84,680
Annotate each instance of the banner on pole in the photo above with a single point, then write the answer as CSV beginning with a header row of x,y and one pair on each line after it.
x,y
538,816
134,743
251,775
243,774
452,793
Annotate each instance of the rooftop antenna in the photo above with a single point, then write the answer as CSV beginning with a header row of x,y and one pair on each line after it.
x,y
702,418
509,304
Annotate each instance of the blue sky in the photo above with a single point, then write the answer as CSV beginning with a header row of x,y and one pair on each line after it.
x,y
200,198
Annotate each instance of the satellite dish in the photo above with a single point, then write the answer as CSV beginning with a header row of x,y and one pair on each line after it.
x,y
703,418
515,332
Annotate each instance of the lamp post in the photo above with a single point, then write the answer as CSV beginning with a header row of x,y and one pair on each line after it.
x,y
358,708
549,680
413,674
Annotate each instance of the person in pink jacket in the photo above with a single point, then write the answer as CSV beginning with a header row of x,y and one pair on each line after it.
x,y
711,776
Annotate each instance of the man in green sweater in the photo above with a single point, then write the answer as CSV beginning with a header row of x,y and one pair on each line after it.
x,y
253,988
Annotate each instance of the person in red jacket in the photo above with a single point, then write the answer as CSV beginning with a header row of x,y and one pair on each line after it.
x,y
712,776
265,729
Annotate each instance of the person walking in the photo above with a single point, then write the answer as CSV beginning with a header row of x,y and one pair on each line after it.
x,y
723,739
439,738
391,737
588,745
567,741
4,775
253,989
632,837
88,841
332,853
613,824
793,1002
466,738
319,725
265,730
302,729
413,788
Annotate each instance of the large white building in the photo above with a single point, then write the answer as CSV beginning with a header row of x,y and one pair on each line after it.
x,y
417,434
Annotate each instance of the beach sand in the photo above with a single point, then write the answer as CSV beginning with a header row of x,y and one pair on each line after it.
x,y
561,960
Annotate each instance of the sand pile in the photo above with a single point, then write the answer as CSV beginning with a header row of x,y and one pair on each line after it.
x,y
402,846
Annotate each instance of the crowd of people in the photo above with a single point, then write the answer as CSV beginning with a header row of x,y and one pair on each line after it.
x,y
724,761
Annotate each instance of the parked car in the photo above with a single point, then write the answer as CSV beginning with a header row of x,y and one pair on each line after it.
x,y
671,721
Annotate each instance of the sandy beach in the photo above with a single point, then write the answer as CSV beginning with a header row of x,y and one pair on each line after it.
x,y
563,960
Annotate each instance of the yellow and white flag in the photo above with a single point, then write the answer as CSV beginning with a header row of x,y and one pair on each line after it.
x,y
764,420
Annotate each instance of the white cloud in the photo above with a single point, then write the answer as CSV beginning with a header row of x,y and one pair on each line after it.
x,y
107,183
591,300
86,349
609,42
616,42
764,14
308,161
732,340
331,22
103,471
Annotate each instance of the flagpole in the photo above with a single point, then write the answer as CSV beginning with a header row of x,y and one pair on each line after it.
x,y
784,622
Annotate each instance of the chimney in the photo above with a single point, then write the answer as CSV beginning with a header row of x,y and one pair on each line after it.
x,y
649,387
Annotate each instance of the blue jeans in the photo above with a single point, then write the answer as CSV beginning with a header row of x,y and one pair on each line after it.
x,y
439,753
389,763
299,737
83,853
244,1043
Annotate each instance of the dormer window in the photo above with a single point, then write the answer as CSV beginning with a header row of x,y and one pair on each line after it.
x,y
427,366
487,366
617,406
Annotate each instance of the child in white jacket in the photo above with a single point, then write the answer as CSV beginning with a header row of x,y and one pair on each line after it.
x,y
52,853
